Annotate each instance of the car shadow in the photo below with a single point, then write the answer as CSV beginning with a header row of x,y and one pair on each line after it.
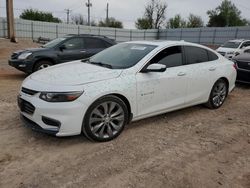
x,y
243,85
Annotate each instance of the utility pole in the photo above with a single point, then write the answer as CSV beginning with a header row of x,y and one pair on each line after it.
x,y
88,4
107,14
10,21
67,12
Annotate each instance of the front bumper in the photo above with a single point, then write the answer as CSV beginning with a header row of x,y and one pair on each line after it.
x,y
69,115
22,65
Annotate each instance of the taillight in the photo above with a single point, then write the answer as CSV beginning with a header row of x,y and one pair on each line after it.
x,y
235,66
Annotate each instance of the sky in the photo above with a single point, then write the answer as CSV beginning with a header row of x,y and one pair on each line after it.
x,y
126,11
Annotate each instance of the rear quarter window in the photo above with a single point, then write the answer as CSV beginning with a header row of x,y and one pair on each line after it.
x,y
212,56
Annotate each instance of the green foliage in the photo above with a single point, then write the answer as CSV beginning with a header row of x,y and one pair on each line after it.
x,y
227,14
111,22
36,15
176,22
194,21
154,16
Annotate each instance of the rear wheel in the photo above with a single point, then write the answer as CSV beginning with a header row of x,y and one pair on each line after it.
x,y
218,94
42,65
105,119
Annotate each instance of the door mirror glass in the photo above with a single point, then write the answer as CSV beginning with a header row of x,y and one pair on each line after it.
x,y
155,68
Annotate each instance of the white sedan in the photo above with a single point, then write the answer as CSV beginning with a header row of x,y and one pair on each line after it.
x,y
124,83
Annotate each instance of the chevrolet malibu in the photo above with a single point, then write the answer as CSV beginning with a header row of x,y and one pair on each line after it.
x,y
127,82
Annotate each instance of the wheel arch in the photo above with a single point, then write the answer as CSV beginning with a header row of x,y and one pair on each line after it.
x,y
44,59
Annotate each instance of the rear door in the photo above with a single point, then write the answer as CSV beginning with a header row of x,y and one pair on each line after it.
x,y
74,50
93,45
202,69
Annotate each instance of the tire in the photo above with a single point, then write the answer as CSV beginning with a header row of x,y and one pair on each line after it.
x,y
41,65
105,119
218,94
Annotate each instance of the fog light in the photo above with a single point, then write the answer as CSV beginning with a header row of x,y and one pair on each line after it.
x,y
22,65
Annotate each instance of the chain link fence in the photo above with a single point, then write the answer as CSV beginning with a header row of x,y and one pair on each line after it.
x,y
209,36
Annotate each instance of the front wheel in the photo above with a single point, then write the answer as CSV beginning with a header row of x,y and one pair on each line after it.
x,y
42,65
218,94
105,119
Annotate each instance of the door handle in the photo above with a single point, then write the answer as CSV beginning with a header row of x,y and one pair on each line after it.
x,y
181,74
212,69
82,51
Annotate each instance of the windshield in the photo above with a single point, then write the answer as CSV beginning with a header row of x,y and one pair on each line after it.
x,y
231,45
53,43
122,56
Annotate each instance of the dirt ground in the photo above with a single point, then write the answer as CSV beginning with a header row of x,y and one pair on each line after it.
x,y
192,148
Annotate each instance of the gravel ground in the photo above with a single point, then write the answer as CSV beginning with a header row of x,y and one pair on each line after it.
x,y
194,147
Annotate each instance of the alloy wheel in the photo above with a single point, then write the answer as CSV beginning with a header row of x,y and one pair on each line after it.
x,y
107,119
219,94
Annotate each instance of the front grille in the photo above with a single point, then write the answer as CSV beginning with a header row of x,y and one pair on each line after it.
x,y
222,53
29,91
243,65
25,106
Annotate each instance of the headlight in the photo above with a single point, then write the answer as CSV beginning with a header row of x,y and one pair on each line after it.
x,y
60,96
24,55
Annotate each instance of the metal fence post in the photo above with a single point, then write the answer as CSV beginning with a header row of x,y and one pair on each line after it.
x,y
158,34
78,30
99,31
115,33
236,32
130,34
56,31
214,35
32,31
144,36
166,35
200,35
181,34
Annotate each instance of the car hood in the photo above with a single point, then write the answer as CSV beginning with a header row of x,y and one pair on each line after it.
x,y
243,57
74,73
223,49
31,50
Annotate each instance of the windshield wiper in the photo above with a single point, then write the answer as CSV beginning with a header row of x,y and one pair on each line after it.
x,y
101,64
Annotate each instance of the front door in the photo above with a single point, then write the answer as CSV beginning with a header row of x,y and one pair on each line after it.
x,y
162,91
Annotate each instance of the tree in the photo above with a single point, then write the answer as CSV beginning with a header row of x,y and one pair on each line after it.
x,y
36,15
78,19
194,21
111,22
154,16
227,14
176,22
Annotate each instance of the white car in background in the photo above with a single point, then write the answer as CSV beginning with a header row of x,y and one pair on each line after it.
x,y
233,48
127,82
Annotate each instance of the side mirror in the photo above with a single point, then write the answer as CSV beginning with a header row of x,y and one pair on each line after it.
x,y
155,68
62,47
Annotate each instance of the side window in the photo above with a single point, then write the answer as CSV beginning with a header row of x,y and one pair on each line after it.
x,y
94,43
212,56
245,44
195,55
171,57
74,44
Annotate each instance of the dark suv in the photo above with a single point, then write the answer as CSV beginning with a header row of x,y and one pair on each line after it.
x,y
60,50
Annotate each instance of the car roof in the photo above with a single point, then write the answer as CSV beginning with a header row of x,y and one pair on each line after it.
x,y
162,43
238,40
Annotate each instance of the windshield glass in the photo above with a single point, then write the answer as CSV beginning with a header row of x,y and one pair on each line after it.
x,y
122,56
231,45
53,43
